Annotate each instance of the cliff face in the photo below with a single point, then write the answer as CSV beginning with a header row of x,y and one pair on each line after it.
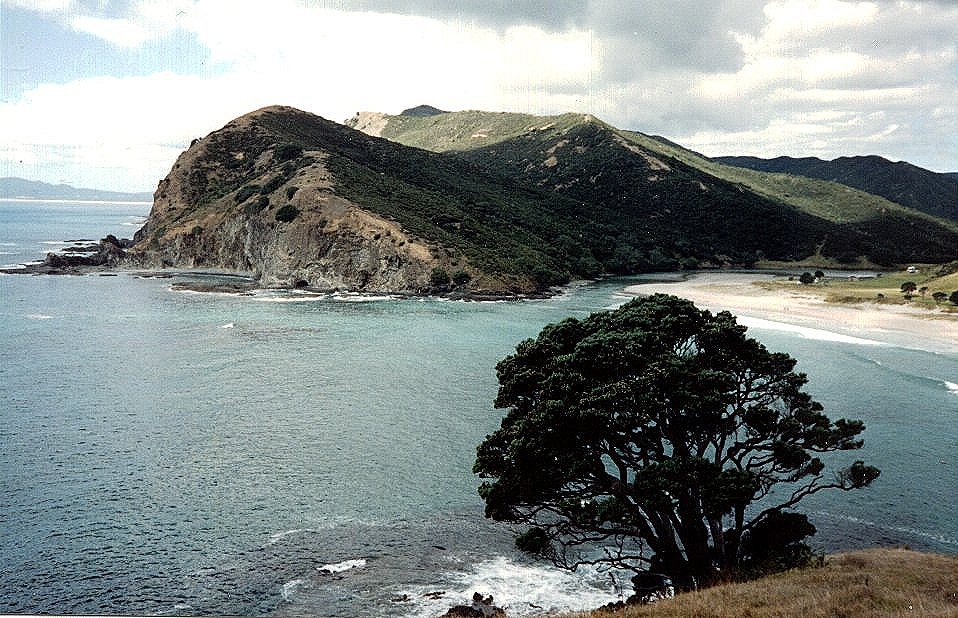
x,y
247,199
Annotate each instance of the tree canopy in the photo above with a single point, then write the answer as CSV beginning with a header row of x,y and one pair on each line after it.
x,y
659,438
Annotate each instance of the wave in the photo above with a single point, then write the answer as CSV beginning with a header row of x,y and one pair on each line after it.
x,y
361,298
276,537
951,386
807,332
299,298
38,316
342,567
525,589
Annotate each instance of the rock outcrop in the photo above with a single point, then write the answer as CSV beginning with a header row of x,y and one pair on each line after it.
x,y
78,258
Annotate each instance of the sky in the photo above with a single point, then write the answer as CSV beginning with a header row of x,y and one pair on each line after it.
x,y
106,94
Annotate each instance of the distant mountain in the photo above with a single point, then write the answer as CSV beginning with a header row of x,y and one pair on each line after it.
x,y
902,183
32,189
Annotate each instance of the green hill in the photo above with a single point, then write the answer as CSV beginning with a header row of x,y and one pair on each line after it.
x,y
689,208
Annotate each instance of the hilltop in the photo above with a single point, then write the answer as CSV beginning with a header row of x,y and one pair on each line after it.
x,y
480,203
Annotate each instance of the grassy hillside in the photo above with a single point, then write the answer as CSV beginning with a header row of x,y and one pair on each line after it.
x,y
876,583
685,207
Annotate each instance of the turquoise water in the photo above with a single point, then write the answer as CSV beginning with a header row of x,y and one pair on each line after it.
x,y
180,453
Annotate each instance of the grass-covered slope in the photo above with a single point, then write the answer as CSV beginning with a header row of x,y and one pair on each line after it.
x,y
675,205
875,583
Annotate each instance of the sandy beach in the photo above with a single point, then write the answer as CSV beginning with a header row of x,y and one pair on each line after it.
x,y
738,293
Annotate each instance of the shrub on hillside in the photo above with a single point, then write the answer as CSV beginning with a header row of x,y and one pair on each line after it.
x,y
439,277
246,192
287,213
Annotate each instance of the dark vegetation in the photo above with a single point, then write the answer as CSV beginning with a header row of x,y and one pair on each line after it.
x,y
662,434
902,183
287,213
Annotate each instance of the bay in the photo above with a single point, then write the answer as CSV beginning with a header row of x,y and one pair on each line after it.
x,y
172,453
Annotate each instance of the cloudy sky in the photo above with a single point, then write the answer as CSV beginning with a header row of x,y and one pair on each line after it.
x,y
106,94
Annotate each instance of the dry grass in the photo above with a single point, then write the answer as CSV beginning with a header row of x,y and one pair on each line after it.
x,y
874,583
838,290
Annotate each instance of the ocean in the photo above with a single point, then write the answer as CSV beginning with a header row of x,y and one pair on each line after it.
x,y
181,453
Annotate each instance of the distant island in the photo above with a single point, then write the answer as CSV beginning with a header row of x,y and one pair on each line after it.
x,y
19,188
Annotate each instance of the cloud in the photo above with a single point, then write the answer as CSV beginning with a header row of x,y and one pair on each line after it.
x,y
825,77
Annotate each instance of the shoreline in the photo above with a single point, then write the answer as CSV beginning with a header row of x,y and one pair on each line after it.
x,y
739,294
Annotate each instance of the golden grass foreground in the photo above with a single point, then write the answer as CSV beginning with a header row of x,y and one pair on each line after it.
x,y
874,583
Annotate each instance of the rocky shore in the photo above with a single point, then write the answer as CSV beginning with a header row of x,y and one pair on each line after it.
x,y
82,257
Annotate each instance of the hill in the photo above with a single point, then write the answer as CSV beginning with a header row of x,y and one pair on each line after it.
x,y
875,583
513,205
297,200
18,188
902,183
687,209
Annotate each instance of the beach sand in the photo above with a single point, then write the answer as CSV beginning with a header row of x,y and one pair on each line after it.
x,y
737,293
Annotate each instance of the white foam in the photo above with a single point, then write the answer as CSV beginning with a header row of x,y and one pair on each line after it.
x,y
352,297
951,386
289,299
39,316
278,536
290,587
230,325
341,567
806,332
526,590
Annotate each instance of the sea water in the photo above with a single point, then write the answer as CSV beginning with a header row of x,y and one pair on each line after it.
x,y
168,452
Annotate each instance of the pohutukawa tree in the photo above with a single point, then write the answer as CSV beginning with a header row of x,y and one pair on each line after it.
x,y
659,438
